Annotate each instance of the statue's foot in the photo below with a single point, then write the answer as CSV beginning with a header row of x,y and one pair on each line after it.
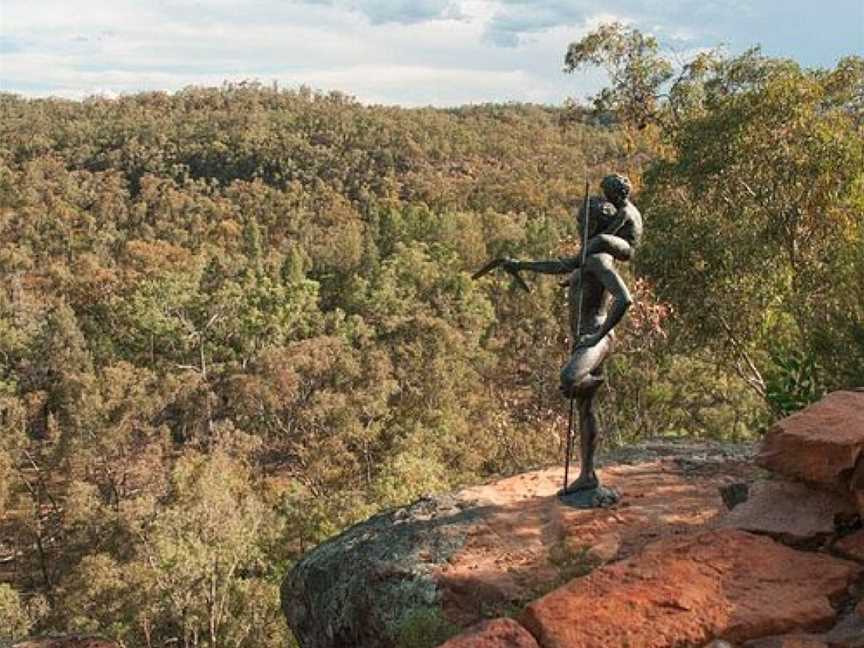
x,y
584,482
589,497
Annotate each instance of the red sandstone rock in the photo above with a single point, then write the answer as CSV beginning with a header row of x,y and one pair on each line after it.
x,y
852,545
493,547
685,591
605,548
498,633
792,512
820,444
514,551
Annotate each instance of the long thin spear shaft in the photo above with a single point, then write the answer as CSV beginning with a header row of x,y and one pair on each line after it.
x,y
584,254
568,451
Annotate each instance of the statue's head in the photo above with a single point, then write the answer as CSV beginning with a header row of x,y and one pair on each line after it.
x,y
602,214
616,188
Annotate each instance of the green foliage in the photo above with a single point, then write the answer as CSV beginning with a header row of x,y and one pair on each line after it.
x,y
678,394
793,382
757,234
424,627
13,616
636,70
198,571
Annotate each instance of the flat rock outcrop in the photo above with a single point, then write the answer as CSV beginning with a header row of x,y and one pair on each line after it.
x,y
725,584
487,550
669,565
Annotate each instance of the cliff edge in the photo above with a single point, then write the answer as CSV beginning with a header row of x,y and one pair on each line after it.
x,y
509,564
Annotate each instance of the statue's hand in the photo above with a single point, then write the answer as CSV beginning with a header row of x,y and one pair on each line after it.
x,y
511,265
588,340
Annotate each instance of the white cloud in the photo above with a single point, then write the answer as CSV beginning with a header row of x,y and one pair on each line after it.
x,y
326,44
390,51
396,11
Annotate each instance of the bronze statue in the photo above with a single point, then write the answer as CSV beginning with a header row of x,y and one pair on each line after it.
x,y
614,228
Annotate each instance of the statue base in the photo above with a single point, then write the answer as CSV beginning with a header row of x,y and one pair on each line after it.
x,y
590,498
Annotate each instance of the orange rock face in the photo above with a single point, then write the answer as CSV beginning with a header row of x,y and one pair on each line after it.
x,y
498,633
487,550
821,444
681,591
527,540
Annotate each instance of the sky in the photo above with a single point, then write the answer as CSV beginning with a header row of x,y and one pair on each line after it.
x,y
406,52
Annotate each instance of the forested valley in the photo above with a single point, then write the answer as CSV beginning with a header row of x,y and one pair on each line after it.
x,y
235,320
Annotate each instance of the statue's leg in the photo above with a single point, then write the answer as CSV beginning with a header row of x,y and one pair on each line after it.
x,y
581,377
582,371
588,438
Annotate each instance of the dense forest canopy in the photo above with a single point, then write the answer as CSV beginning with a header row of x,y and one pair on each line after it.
x,y
234,320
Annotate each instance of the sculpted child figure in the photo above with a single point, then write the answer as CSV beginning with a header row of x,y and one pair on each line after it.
x,y
614,232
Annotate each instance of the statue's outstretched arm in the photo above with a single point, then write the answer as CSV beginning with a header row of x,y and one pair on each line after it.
x,y
615,246
563,265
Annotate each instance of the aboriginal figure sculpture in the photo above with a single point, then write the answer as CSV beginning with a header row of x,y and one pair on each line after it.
x,y
598,298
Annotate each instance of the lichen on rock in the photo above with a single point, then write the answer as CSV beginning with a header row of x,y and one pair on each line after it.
x,y
368,584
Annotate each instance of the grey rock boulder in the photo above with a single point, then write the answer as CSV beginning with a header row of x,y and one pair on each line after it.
x,y
364,586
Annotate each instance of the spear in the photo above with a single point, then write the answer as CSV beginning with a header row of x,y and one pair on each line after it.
x,y
568,451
